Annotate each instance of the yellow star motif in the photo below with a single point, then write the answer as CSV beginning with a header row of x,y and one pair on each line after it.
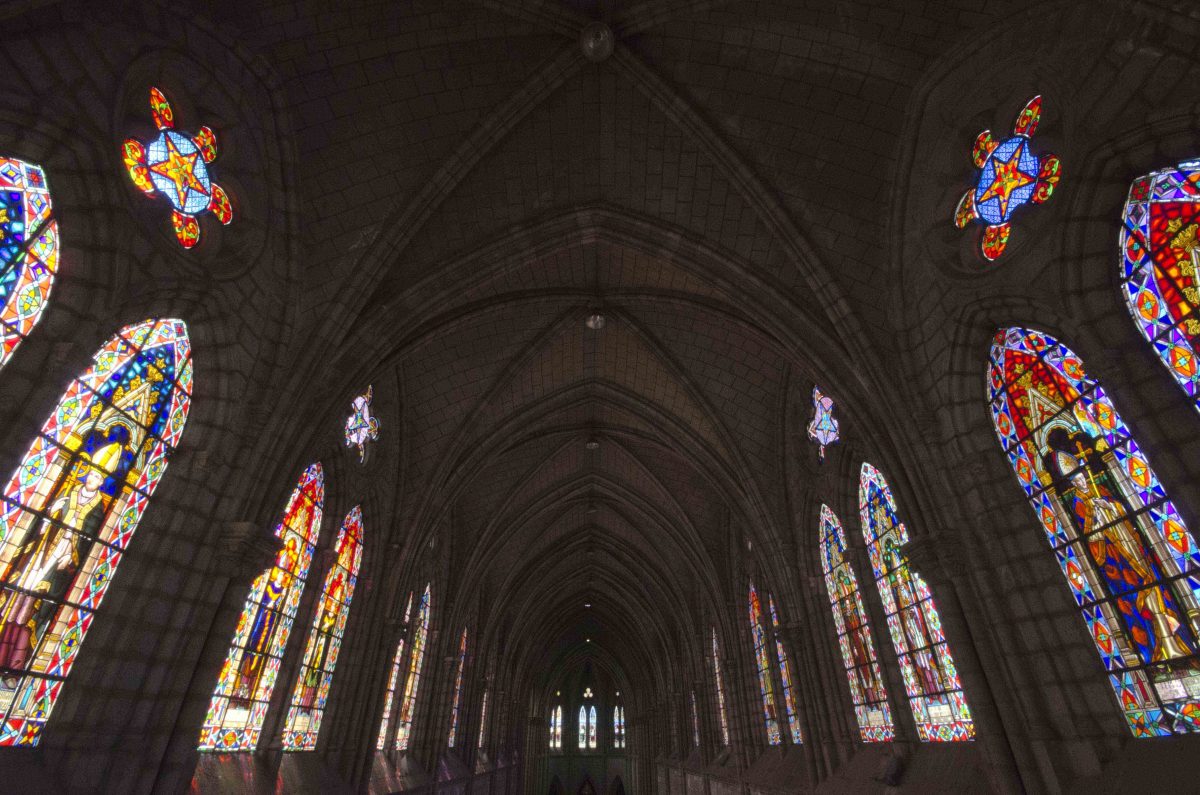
x,y
1008,178
180,169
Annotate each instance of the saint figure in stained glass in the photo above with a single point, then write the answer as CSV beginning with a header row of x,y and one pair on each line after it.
x,y
408,705
1010,175
1131,562
72,505
1160,256
766,684
823,429
393,677
28,251
175,165
361,427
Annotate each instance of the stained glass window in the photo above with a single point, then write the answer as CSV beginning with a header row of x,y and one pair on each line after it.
x,y
1010,175
556,728
239,704
71,508
325,639
618,726
583,727
458,680
763,661
408,705
1130,561
592,728
483,716
361,427
175,164
934,691
785,673
695,722
393,677
722,716
854,635
1160,255
823,428
28,251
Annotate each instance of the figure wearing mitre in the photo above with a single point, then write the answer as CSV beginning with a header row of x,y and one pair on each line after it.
x,y
48,558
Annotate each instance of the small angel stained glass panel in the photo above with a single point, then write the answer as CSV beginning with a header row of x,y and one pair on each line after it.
x,y
361,427
175,165
70,510
28,251
1010,175
1131,563
823,429
935,693
1160,257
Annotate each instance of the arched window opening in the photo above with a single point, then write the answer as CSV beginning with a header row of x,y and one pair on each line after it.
x,y
583,728
71,508
556,728
483,716
458,680
1160,256
722,715
619,726
695,722
763,662
855,639
408,705
28,251
239,704
325,639
1129,559
930,676
785,673
593,729
393,677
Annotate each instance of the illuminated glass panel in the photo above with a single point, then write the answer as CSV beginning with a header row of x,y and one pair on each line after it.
x,y
592,728
695,722
239,704
28,251
722,716
618,726
934,691
71,508
458,680
855,639
556,728
763,662
325,639
583,727
1160,255
785,672
483,716
1130,561
823,428
408,704
361,426
393,677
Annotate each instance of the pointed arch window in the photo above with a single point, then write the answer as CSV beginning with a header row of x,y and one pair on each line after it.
x,y
71,508
722,716
619,726
556,728
695,722
28,251
583,727
930,676
762,660
483,716
325,639
1160,267
393,677
593,728
785,673
458,680
239,704
408,704
855,639
1131,563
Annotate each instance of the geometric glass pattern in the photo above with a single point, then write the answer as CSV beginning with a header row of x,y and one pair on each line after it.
x,y
618,727
71,508
393,676
239,703
176,165
763,661
556,728
408,704
483,719
854,635
1131,563
592,728
1160,255
325,638
361,427
695,722
823,428
721,714
462,662
930,676
583,727
785,672
28,251
1010,175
